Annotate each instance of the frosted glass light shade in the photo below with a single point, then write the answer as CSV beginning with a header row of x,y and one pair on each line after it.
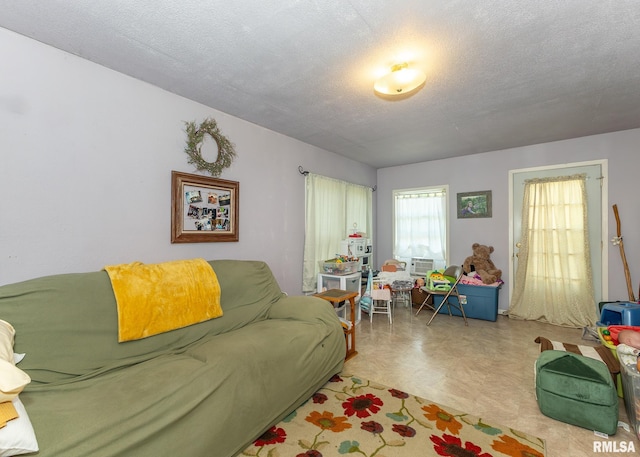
x,y
400,80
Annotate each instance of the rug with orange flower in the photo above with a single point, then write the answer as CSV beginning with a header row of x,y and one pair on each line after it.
x,y
351,415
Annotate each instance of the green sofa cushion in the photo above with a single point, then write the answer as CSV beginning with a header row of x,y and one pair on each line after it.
x,y
79,314
213,399
577,390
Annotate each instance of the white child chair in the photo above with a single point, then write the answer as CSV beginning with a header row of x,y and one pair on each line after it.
x,y
381,301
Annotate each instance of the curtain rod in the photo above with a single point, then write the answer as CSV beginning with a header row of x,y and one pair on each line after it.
x,y
304,172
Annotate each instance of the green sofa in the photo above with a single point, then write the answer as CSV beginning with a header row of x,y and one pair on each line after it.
x,y
209,389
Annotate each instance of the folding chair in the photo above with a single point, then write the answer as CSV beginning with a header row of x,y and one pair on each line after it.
x,y
454,272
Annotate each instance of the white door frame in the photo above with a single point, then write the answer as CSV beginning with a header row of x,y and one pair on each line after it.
x,y
605,217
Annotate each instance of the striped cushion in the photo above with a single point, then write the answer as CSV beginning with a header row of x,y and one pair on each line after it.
x,y
600,353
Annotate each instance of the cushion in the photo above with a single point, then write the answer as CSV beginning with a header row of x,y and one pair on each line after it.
x,y
18,437
7,333
12,381
12,378
156,298
68,324
577,390
600,353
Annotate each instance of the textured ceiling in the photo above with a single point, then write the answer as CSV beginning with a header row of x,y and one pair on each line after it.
x,y
500,73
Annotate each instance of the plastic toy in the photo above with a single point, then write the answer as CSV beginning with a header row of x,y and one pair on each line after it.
x,y
437,281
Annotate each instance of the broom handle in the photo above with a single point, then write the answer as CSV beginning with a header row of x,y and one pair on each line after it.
x,y
627,274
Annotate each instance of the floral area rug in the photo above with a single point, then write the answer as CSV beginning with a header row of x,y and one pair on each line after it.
x,y
350,415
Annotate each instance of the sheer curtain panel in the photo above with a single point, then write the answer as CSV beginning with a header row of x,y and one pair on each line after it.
x,y
332,208
553,279
421,225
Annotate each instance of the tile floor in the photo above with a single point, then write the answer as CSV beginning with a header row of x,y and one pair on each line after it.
x,y
485,369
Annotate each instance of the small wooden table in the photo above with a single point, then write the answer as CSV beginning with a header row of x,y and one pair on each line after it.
x,y
336,296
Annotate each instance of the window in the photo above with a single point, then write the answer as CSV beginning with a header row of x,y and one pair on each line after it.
x,y
420,224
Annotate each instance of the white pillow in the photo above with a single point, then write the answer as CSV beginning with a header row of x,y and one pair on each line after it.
x,y
18,437
12,378
12,381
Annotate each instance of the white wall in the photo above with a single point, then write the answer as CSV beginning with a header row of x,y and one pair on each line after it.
x,y
489,171
86,155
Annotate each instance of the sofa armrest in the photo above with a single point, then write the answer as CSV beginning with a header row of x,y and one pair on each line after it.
x,y
304,308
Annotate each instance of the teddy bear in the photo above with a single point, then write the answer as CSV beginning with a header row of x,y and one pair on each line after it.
x,y
482,264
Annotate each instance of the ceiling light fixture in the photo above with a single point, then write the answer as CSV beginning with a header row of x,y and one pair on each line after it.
x,y
400,80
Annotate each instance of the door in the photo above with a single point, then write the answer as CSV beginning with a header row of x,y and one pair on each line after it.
x,y
596,213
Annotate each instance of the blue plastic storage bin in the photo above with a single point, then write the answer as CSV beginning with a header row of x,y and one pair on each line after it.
x,y
482,302
626,313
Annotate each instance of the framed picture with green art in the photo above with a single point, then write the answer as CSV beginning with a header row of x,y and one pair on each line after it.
x,y
474,204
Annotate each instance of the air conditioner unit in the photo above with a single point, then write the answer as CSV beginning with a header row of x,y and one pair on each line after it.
x,y
420,266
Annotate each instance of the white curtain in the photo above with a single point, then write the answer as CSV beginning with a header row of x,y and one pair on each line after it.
x,y
554,280
332,209
359,203
420,225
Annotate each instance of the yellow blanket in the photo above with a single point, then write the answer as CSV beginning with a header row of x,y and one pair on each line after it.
x,y
7,412
156,298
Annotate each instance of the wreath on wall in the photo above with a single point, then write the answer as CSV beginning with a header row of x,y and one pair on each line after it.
x,y
195,138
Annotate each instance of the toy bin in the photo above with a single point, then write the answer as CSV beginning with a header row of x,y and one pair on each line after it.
x,y
631,386
481,302
336,267
624,313
611,343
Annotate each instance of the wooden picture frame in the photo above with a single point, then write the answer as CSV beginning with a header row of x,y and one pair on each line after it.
x,y
474,204
203,209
